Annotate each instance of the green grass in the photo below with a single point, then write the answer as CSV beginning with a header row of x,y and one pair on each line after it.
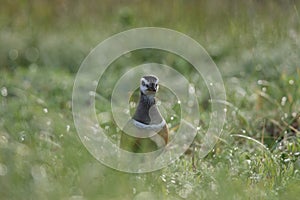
x,y
256,47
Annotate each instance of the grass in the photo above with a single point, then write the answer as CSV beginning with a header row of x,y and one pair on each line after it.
x,y
256,47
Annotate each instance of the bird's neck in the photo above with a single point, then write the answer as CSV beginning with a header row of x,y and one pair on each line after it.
x,y
147,100
147,111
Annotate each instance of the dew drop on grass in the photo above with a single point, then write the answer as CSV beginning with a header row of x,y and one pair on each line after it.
x,y
68,128
45,110
3,139
86,138
132,104
248,162
92,93
297,153
4,91
163,178
179,102
283,100
260,82
22,138
264,89
291,82
281,147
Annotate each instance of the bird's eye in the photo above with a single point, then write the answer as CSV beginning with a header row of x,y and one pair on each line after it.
x,y
143,83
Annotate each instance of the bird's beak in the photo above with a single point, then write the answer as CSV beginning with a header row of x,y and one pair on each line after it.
x,y
152,88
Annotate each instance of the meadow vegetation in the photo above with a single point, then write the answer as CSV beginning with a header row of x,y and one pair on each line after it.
x,y
255,44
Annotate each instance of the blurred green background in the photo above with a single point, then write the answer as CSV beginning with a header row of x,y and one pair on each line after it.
x,y
255,44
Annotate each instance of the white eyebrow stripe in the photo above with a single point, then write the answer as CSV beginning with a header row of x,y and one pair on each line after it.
x,y
146,82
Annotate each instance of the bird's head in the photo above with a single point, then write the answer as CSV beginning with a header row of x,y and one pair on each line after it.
x,y
149,85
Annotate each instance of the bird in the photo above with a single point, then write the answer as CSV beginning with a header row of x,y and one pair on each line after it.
x,y
147,130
